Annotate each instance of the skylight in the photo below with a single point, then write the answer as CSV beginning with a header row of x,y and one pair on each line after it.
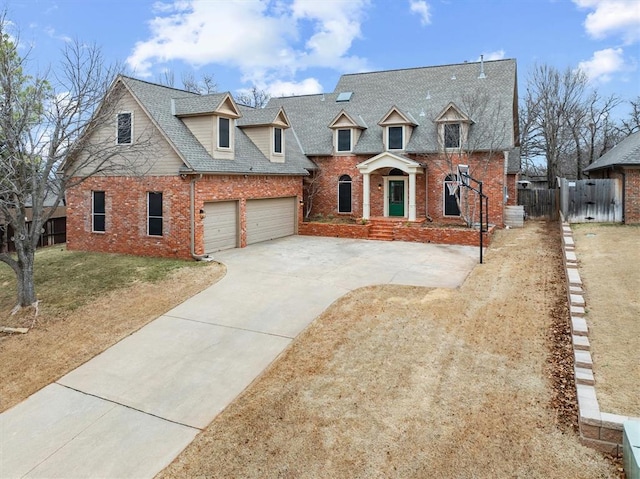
x,y
344,96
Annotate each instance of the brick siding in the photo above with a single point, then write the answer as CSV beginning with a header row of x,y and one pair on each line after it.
x,y
429,190
126,211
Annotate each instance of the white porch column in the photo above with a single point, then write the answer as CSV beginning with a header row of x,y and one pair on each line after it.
x,y
366,202
412,196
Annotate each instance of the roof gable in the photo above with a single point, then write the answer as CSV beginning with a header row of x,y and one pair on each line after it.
x,y
202,105
625,153
344,120
396,117
451,112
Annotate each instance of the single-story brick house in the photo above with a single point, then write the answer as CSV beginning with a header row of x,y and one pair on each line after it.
x,y
622,162
220,175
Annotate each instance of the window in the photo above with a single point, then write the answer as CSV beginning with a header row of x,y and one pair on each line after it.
x,y
124,129
154,213
344,194
98,211
451,195
344,140
277,140
452,135
395,141
224,133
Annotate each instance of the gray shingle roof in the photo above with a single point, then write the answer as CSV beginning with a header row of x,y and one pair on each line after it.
x,y
625,153
198,104
157,101
422,94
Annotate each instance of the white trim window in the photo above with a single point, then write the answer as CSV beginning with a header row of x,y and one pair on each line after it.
x,y
154,213
224,133
395,137
344,139
124,128
98,212
278,146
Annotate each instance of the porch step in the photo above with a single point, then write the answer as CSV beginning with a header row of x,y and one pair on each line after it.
x,y
381,230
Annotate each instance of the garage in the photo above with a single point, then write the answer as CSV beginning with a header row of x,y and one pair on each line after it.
x,y
270,218
220,226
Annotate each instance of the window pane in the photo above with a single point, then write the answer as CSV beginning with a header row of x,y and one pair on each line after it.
x,y
450,200
277,140
452,135
344,194
344,140
155,226
124,128
395,138
155,204
98,202
223,132
99,222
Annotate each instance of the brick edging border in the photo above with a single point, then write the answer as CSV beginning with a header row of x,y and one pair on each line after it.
x,y
598,430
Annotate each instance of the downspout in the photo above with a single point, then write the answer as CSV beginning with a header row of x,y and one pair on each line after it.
x,y
192,220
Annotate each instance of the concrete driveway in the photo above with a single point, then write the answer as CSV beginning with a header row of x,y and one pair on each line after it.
x,y
131,410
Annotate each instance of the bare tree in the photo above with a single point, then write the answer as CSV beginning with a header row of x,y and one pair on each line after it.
x,y
631,124
486,137
254,98
311,188
203,86
558,97
45,123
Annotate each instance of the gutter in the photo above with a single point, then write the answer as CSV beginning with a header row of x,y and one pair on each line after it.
x,y
192,221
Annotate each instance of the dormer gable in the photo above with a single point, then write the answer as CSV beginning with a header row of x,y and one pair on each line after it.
x,y
219,104
346,132
211,119
453,127
266,127
397,128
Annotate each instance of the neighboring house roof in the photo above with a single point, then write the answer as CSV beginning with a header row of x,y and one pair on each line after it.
x,y
421,94
160,103
625,153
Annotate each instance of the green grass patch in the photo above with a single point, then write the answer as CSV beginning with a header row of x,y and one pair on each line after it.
x,y
66,280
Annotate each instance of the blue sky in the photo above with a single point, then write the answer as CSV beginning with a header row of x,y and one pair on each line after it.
x,y
302,46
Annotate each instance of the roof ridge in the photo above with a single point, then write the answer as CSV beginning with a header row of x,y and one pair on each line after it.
x,y
158,84
428,67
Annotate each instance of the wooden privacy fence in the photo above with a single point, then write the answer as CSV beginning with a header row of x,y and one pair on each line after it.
x,y
591,201
539,203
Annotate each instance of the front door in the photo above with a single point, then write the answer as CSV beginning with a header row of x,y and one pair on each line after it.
x,y
396,197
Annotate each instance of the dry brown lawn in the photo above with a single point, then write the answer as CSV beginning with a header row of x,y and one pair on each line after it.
x,y
61,341
608,259
413,382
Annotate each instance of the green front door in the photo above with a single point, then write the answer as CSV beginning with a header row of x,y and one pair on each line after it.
x,y
396,198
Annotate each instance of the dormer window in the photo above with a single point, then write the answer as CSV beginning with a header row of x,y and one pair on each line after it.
x,y
343,142
395,138
277,140
452,135
125,129
453,127
224,133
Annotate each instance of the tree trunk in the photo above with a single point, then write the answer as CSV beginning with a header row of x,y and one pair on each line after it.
x,y
24,275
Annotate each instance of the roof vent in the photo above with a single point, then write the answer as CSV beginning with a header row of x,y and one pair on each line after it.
x,y
482,75
344,96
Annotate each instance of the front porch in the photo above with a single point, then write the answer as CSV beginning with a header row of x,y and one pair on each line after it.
x,y
394,229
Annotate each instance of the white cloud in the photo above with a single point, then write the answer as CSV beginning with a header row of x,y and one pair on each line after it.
x,y
421,8
603,64
266,40
495,55
612,18
308,86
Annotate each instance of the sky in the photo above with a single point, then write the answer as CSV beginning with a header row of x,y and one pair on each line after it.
x,y
290,47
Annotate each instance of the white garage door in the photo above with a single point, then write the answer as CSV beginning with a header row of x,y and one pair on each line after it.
x,y
220,226
270,218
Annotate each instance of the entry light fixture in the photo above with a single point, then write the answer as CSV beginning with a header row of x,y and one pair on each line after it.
x,y
379,186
